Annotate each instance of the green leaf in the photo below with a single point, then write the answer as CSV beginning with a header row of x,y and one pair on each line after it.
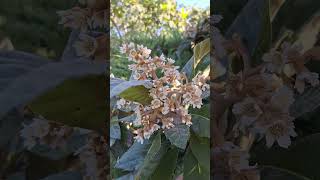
x,y
188,68
77,102
152,159
301,157
200,125
306,102
203,111
138,94
178,135
192,168
115,131
133,158
200,148
200,50
165,169
118,86
21,89
274,173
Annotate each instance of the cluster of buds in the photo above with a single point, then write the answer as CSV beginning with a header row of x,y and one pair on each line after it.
x,y
172,93
90,17
40,131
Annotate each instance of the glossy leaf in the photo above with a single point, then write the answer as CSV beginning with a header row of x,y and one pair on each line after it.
x,y
132,159
178,135
201,125
165,169
138,94
192,168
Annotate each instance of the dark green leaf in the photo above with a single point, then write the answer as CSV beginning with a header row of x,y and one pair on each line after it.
x,y
200,125
138,94
192,169
133,158
165,169
200,148
301,157
115,132
152,158
77,102
178,135
274,173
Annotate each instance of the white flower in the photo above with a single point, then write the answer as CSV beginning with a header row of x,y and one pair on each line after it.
x,y
156,103
86,46
247,111
280,132
170,61
165,109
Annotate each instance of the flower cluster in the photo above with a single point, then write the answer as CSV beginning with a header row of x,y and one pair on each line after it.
x,y
260,99
90,17
172,93
92,155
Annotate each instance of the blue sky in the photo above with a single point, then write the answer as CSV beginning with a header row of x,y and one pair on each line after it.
x,y
197,3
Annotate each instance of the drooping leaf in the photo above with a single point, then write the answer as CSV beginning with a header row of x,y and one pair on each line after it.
x,y
77,102
201,125
274,173
192,169
200,148
133,158
138,94
30,84
167,165
178,135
